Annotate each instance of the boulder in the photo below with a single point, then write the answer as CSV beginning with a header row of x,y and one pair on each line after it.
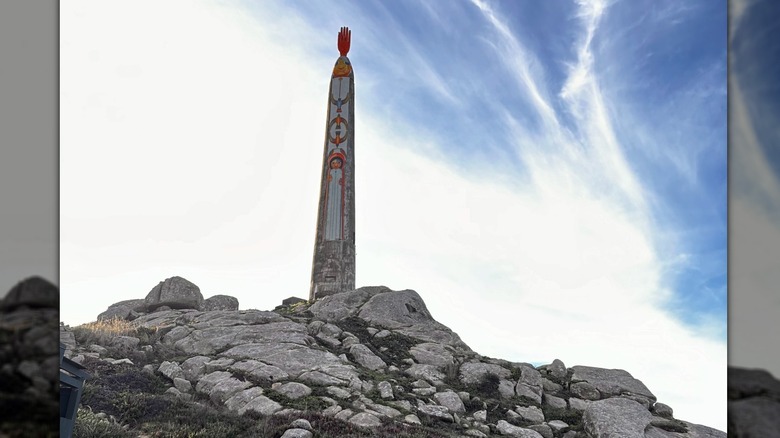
x,y
402,311
385,411
505,428
293,390
33,292
395,309
262,405
472,373
385,390
435,411
432,354
662,410
218,338
194,367
450,400
553,401
616,417
557,370
240,399
293,359
219,302
297,433
585,391
259,370
171,370
364,356
531,414
127,310
176,293
342,305
542,429
612,382
302,423
292,300
412,419
225,389
364,419
428,372
125,343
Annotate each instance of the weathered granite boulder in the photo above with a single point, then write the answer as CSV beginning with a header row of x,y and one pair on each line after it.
x,y
616,417
293,390
127,310
451,401
505,428
432,354
472,373
292,300
401,311
613,383
364,356
176,293
370,358
219,302
557,370
33,292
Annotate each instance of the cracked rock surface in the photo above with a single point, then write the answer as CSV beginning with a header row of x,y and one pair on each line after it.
x,y
367,362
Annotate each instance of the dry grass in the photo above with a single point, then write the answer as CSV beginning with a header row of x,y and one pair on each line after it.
x,y
102,332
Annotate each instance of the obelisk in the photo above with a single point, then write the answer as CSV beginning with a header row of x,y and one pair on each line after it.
x,y
333,267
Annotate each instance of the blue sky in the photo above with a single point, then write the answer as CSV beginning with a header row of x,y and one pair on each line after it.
x,y
549,176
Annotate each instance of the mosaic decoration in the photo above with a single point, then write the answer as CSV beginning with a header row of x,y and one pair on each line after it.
x,y
333,268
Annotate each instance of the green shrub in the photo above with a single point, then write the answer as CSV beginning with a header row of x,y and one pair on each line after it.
x,y
90,425
487,387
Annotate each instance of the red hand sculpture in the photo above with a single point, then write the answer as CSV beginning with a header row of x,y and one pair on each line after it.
x,y
344,38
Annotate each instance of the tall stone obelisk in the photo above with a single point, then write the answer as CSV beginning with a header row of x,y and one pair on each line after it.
x,y
333,268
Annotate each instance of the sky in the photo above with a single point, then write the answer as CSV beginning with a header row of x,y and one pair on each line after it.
x,y
550,177
754,194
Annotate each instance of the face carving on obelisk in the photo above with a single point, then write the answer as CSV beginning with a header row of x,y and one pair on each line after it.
x,y
342,68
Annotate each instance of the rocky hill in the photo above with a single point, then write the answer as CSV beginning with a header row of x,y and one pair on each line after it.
x,y
29,360
754,404
368,362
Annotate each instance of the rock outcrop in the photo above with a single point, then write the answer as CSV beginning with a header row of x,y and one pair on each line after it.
x,y
754,403
172,293
29,359
368,362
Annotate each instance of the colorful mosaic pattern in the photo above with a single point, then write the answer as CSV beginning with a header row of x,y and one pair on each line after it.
x,y
333,267
338,142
